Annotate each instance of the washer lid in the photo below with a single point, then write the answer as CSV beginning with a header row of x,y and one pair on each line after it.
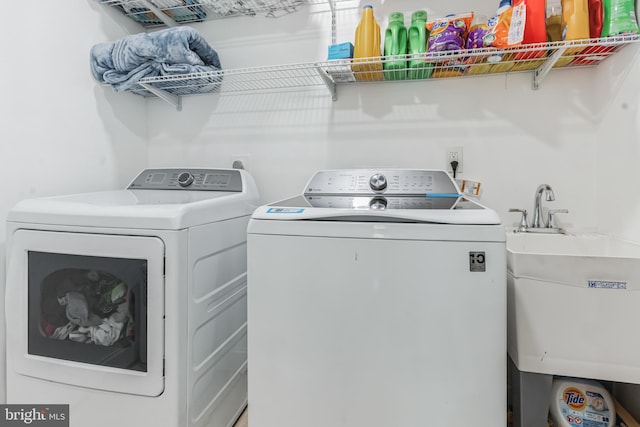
x,y
386,195
141,209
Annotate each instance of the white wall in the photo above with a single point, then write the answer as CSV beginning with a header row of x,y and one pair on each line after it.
x,y
60,132
618,149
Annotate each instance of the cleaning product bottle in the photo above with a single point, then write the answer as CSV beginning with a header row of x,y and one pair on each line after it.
x,y
596,12
366,50
575,19
417,40
619,18
554,20
554,31
535,31
395,48
587,55
576,402
503,62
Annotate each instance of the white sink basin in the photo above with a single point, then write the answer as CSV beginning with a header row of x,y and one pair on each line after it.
x,y
574,305
572,258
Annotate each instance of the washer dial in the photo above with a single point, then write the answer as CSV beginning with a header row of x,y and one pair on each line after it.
x,y
185,179
378,203
378,182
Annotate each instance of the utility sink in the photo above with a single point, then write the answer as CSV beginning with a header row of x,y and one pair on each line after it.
x,y
572,259
574,305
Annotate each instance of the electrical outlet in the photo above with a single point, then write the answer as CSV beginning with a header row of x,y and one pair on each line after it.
x,y
454,154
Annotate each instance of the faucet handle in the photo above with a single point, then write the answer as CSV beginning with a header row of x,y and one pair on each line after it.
x,y
551,223
524,223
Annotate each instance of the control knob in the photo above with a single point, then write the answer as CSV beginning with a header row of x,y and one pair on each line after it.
x,y
378,203
185,179
378,182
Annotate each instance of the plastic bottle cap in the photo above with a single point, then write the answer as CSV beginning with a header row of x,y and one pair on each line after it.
x,y
396,17
367,6
504,5
419,14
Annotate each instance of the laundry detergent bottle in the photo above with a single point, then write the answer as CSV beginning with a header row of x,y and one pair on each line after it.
x,y
578,403
575,19
535,31
619,18
395,48
502,62
554,20
535,28
417,40
366,50
596,15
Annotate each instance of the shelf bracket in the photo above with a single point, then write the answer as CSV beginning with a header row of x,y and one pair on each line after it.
x,y
328,82
159,13
172,99
541,72
334,35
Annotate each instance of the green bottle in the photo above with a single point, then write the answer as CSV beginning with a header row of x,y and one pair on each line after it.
x,y
418,35
395,48
619,18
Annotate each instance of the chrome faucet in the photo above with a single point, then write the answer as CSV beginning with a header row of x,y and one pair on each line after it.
x,y
538,219
538,223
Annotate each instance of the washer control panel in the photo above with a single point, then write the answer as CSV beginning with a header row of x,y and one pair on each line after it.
x,y
381,181
188,179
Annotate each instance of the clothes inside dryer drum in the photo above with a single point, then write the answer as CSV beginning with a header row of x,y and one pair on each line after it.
x,y
86,306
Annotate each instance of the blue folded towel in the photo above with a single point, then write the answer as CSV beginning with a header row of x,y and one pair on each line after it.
x,y
172,51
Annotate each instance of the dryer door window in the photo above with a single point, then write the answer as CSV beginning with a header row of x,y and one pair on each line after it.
x,y
88,309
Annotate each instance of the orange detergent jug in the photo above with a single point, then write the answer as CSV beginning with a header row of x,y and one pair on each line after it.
x,y
367,64
575,19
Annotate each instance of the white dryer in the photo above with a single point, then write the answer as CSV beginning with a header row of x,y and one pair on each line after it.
x,y
130,305
377,298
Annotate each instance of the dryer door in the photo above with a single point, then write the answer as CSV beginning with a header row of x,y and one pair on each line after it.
x,y
87,310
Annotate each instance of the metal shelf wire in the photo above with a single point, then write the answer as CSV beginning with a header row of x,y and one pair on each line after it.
x,y
537,59
152,13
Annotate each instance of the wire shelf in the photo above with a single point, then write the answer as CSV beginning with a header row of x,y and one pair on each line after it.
x,y
241,79
536,58
152,13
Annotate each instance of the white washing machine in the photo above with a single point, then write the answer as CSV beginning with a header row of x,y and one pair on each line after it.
x,y
377,298
130,305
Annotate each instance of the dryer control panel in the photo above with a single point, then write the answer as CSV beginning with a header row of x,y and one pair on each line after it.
x,y
188,179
